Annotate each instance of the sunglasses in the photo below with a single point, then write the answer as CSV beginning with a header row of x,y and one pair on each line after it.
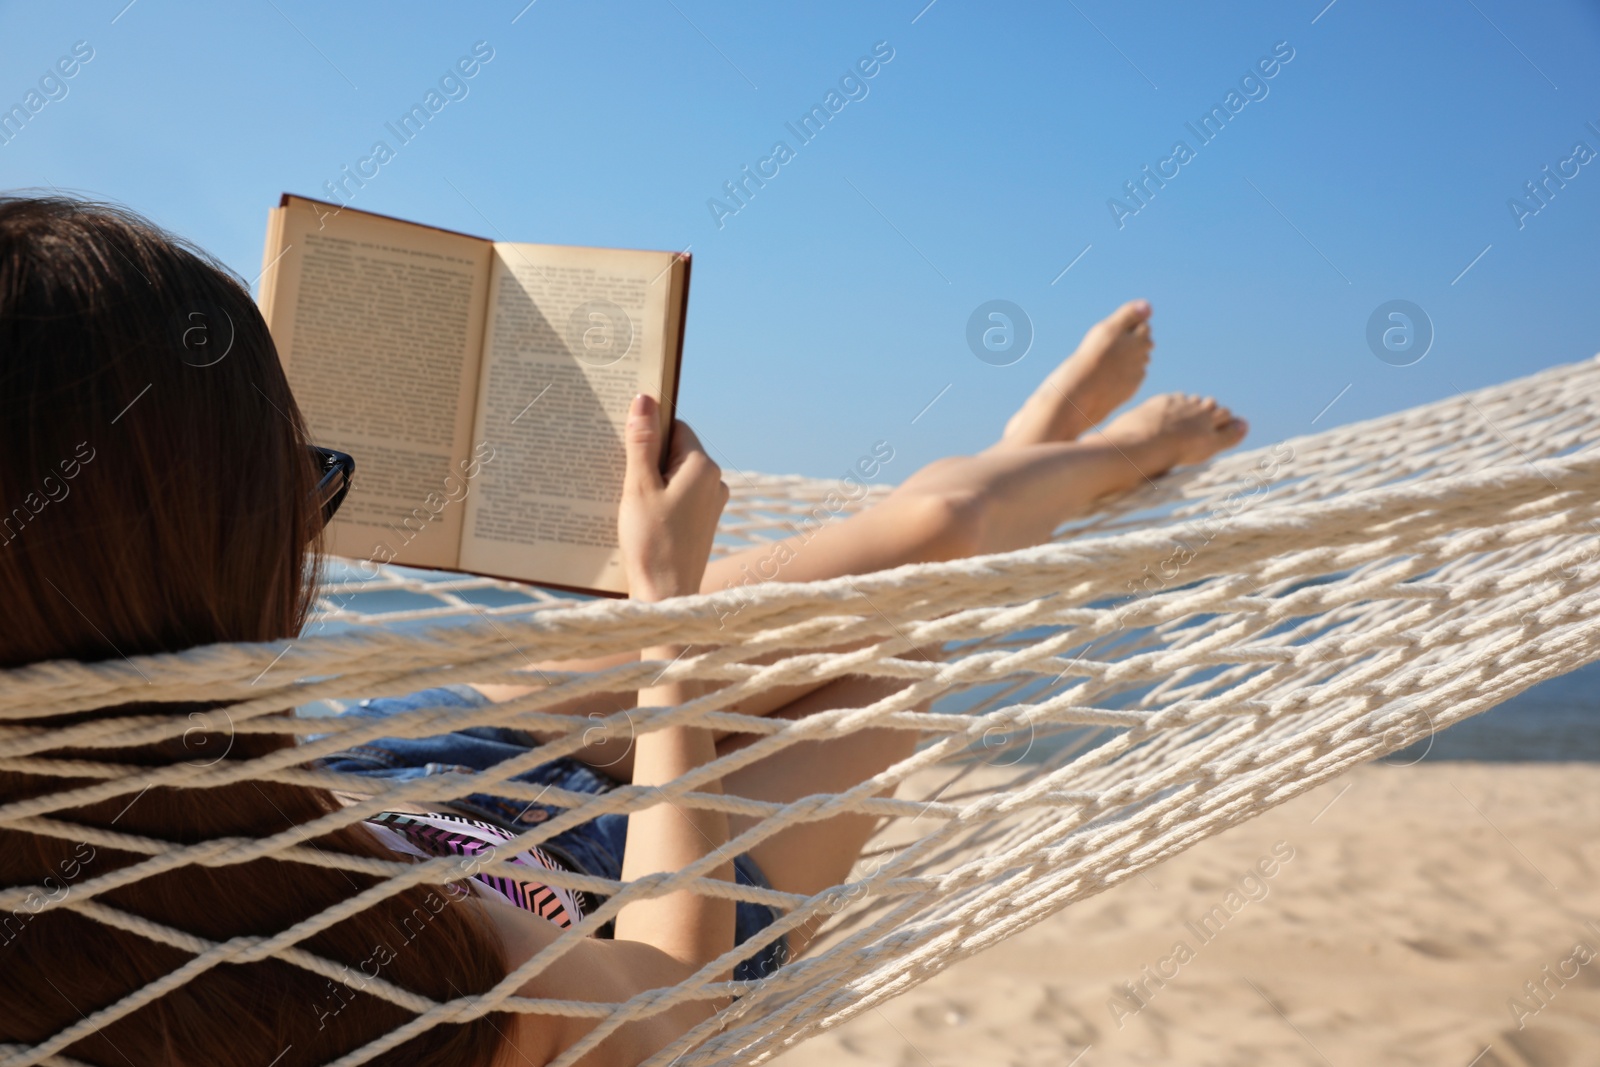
x,y
334,470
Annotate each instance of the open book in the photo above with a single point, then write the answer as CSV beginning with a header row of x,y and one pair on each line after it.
x,y
481,386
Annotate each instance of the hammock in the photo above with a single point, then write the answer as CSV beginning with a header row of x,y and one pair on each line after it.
x,y
1195,653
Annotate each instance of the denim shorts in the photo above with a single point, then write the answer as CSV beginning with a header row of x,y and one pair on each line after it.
x,y
593,848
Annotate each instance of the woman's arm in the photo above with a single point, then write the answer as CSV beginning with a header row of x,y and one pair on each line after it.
x,y
687,926
665,527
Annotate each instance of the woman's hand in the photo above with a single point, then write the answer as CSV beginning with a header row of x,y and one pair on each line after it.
x,y
667,522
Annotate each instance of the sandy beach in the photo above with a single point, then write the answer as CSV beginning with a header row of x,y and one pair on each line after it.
x,y
1397,916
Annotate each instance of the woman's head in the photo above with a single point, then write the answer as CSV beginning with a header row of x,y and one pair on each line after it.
x,y
155,488
158,494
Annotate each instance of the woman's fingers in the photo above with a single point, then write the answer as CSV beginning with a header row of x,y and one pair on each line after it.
x,y
688,464
685,443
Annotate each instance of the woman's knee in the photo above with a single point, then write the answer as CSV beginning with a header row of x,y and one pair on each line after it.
x,y
942,522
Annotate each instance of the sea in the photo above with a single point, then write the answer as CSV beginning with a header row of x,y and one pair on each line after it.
x,y
1555,721
1558,720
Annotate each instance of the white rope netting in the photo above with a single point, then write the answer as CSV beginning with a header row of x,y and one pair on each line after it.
x,y
1192,655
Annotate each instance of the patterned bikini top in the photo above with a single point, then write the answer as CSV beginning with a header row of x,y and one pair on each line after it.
x,y
434,835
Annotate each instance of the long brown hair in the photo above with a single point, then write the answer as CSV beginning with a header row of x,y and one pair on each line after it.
x,y
158,495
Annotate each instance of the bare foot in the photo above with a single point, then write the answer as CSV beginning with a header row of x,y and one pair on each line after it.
x,y
1090,384
1174,429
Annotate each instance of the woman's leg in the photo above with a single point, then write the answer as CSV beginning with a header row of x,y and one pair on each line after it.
x,y
810,857
1050,465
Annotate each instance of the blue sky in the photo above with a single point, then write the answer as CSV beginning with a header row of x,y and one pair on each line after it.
x,y
833,306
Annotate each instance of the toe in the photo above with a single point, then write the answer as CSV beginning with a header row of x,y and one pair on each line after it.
x,y
1232,432
1127,316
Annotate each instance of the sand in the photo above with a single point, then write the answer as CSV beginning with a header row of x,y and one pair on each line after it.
x,y
1414,905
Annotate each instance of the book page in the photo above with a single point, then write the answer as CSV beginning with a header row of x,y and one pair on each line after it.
x,y
379,324
573,334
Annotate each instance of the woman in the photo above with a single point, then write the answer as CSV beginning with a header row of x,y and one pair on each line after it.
x,y
159,498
